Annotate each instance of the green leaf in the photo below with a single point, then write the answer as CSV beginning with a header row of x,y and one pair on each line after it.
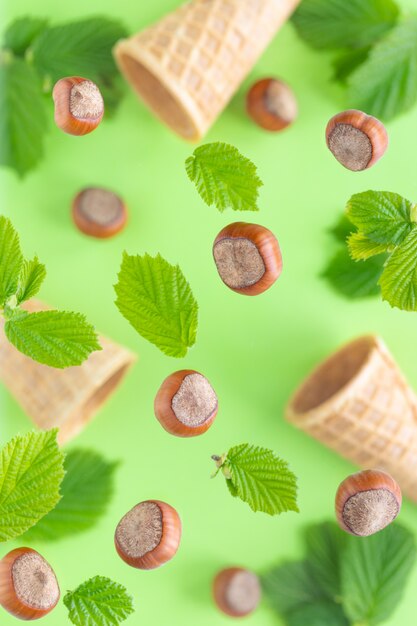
x,y
296,595
398,281
56,338
31,472
375,570
383,216
11,260
157,301
261,479
341,23
82,48
347,62
23,118
98,602
386,84
86,492
351,279
20,34
31,278
361,248
224,177
325,543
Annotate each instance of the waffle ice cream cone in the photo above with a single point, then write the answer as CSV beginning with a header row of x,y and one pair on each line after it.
x,y
187,67
68,398
358,403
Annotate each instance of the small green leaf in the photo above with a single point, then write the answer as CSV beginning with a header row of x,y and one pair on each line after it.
x,y
82,48
98,602
23,117
261,479
398,281
157,301
383,216
347,62
351,279
386,84
31,472
361,248
55,338
224,177
21,33
31,278
344,23
11,260
325,543
86,492
375,570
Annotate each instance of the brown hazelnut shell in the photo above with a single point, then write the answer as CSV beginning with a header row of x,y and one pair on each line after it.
x,y
167,547
220,585
64,119
257,109
371,126
165,413
93,229
8,597
365,480
268,248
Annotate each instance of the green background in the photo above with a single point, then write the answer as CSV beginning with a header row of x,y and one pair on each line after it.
x,y
255,351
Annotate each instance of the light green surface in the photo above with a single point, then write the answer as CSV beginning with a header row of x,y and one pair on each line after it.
x,y
254,350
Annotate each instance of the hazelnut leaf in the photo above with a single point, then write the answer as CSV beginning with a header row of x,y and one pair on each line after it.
x,y
55,338
22,32
224,177
261,479
98,602
31,278
398,281
11,260
31,472
361,248
385,85
86,492
374,573
23,116
157,301
341,24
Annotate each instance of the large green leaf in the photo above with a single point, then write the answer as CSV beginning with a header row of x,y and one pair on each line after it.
x,y
98,602
31,472
86,491
375,570
156,299
21,33
344,23
398,281
383,216
23,117
56,338
386,83
325,543
224,177
11,260
261,479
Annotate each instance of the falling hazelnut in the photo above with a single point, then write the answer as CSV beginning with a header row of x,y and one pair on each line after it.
x,y
186,404
367,502
99,212
356,139
28,586
79,106
236,591
247,257
271,104
148,535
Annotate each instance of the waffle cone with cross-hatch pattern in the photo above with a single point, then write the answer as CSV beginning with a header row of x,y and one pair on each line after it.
x,y
359,404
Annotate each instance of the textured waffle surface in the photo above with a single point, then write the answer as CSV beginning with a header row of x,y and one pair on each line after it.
x,y
67,398
206,47
372,421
